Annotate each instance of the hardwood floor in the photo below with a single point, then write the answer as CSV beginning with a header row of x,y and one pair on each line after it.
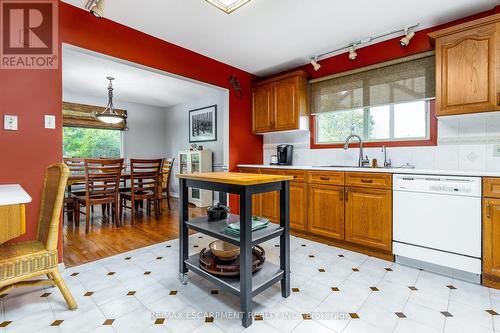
x,y
105,240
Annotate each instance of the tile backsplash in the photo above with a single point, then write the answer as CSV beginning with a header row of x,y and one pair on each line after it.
x,y
465,142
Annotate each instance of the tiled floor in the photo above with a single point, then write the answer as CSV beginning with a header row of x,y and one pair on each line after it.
x,y
334,291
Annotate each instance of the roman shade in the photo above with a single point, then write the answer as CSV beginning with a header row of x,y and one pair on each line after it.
x,y
389,83
82,115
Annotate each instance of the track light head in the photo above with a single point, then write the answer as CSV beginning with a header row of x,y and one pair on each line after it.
x,y
315,64
353,55
97,9
405,41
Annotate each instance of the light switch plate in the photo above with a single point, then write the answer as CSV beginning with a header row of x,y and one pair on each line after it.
x,y
496,150
50,121
10,122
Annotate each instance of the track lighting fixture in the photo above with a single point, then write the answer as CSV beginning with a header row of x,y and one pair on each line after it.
x,y
96,7
315,64
409,34
353,55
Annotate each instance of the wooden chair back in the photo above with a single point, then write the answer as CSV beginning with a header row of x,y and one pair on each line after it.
x,y
145,176
166,170
54,185
75,165
102,180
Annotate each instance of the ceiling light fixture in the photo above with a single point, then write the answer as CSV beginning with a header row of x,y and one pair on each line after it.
x,y
353,55
228,6
109,115
315,64
96,7
409,34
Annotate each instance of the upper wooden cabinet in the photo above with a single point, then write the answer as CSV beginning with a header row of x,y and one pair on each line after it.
x,y
467,67
278,103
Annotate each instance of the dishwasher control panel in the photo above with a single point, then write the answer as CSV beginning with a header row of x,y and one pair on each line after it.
x,y
438,184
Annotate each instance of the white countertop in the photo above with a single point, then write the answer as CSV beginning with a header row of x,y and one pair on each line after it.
x,y
13,194
467,173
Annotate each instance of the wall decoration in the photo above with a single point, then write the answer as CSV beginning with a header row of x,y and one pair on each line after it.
x,y
235,84
203,124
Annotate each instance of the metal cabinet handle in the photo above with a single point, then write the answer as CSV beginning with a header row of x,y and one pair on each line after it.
x,y
346,194
488,209
324,178
294,177
498,99
368,181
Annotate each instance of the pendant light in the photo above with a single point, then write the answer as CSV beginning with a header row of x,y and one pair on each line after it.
x,y
109,115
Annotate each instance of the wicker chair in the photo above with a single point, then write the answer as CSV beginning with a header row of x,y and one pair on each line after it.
x,y
27,260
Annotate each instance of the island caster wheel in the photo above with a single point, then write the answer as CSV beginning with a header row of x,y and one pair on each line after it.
x,y
183,277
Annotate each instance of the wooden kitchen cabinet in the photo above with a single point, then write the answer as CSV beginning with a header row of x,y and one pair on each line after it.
x,y
298,206
491,242
278,103
326,211
270,205
256,198
368,217
467,67
263,113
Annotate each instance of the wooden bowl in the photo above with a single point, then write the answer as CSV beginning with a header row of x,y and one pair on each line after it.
x,y
224,250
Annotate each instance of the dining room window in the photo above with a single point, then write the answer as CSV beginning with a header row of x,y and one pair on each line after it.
x,y
389,104
91,142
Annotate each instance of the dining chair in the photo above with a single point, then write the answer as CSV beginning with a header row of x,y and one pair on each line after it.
x,y
144,185
102,185
76,167
168,164
28,260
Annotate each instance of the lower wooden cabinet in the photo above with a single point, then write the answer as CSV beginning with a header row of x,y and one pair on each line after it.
x,y
326,210
270,201
256,198
491,242
298,206
368,219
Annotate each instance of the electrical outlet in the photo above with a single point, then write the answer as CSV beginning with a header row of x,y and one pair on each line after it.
x,y
496,150
10,123
50,121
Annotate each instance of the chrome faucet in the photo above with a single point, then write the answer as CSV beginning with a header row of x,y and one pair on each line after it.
x,y
387,163
362,162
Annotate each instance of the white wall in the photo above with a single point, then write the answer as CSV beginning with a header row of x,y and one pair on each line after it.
x,y
145,137
177,130
464,142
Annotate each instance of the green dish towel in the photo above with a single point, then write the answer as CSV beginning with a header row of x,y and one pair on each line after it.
x,y
258,223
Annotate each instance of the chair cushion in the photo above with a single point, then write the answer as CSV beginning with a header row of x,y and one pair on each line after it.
x,y
25,258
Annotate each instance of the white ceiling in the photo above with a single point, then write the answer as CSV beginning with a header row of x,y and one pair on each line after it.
x,y
85,74
267,36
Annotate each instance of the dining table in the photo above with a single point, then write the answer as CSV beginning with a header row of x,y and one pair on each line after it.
x,y
13,200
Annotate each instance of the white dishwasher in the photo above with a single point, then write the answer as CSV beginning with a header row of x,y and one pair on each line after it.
x,y
437,223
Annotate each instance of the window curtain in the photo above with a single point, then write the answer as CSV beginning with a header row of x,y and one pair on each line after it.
x,y
386,84
82,115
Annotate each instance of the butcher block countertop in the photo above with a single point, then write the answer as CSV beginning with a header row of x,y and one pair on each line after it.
x,y
234,178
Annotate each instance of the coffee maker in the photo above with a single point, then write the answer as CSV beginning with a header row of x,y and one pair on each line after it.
x,y
284,154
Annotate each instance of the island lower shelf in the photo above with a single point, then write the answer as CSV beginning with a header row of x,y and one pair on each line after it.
x,y
268,275
216,230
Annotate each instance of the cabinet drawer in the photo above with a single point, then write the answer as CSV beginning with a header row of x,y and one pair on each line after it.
x,y
270,171
249,170
298,175
326,178
367,179
491,187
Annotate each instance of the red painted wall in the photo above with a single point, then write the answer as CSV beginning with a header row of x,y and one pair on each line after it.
x,y
31,94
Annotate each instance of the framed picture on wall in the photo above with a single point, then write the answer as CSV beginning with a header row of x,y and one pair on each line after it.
x,y
203,124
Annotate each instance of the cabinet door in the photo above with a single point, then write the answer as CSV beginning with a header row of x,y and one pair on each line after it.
x,y
263,108
326,210
271,200
298,205
286,104
256,198
491,239
466,71
369,217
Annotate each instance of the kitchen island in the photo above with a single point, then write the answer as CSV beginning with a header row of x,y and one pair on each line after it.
x,y
245,185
